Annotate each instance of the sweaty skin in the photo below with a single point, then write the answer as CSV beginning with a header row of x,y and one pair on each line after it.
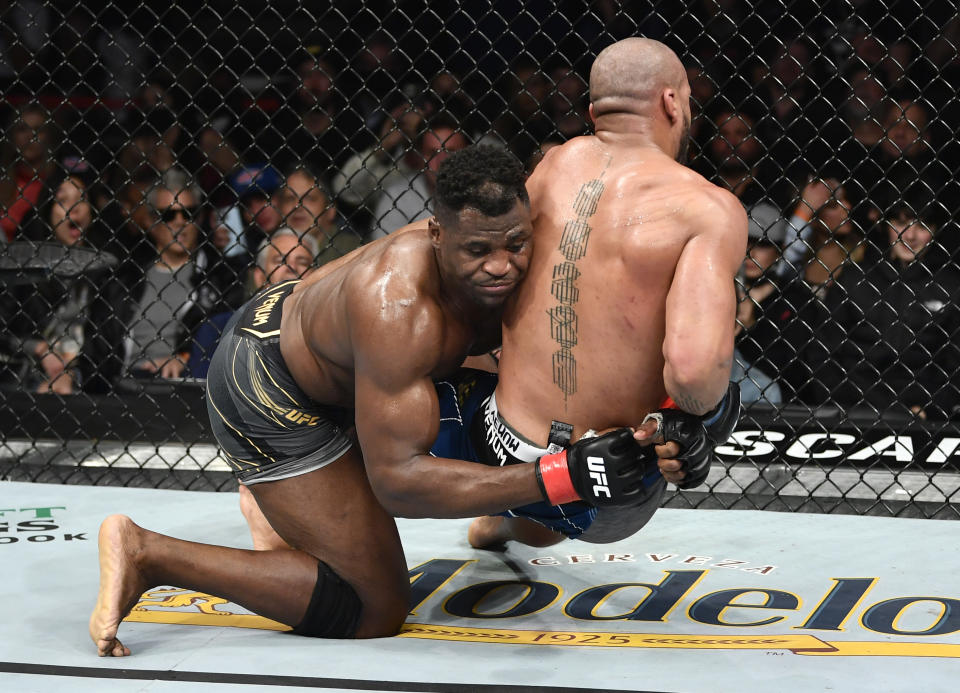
x,y
333,342
630,295
368,330
586,337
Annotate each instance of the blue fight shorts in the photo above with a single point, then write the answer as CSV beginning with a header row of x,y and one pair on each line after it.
x,y
472,429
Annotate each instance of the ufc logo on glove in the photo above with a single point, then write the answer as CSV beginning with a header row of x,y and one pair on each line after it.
x,y
599,475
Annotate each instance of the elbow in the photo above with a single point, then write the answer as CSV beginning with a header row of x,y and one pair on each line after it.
x,y
394,496
697,381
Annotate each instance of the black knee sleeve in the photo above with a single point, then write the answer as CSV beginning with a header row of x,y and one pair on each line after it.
x,y
334,609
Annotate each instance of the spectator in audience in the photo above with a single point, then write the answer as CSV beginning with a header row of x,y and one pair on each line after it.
x,y
314,126
735,156
142,320
133,219
219,161
257,206
823,237
367,172
409,199
797,109
906,153
703,91
446,94
151,149
284,256
308,209
895,332
44,323
238,228
862,111
777,318
523,124
374,74
26,163
567,103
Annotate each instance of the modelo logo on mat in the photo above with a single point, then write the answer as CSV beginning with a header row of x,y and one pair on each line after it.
x,y
688,612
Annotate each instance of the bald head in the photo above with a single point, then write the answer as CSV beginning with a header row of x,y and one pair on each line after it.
x,y
633,70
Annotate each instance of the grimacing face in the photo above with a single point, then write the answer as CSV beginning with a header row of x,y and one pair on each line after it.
x,y
485,258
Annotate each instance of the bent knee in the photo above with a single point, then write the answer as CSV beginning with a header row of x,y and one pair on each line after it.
x,y
382,620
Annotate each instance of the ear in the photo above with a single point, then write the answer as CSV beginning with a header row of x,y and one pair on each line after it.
x,y
671,105
593,117
259,278
433,226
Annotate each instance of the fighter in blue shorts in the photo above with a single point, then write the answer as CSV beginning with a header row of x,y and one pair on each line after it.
x,y
471,428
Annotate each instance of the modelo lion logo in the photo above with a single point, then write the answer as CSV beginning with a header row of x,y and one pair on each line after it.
x,y
189,608
169,599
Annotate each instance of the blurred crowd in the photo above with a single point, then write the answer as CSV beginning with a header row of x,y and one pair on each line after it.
x,y
838,137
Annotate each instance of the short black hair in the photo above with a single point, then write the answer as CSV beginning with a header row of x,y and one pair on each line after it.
x,y
482,177
918,202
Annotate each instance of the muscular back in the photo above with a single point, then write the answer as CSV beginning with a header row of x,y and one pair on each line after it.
x,y
584,337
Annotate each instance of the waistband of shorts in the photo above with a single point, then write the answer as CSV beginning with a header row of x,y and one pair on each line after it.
x,y
260,317
508,439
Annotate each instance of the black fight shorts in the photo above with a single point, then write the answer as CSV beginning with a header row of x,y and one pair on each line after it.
x,y
267,427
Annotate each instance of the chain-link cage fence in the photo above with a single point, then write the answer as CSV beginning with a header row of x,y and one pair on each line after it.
x,y
161,160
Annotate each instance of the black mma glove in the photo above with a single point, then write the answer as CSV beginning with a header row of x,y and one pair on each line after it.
x,y
602,471
697,436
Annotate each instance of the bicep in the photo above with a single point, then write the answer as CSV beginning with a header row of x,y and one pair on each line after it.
x,y
396,420
397,414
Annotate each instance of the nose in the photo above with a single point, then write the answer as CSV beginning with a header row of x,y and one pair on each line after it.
x,y
909,235
497,264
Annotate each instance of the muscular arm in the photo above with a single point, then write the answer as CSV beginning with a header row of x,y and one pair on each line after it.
x,y
397,416
701,303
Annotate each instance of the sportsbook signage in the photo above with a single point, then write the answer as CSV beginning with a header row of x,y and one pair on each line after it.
x,y
36,525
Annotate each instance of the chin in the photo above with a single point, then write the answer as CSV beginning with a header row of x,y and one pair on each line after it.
x,y
492,302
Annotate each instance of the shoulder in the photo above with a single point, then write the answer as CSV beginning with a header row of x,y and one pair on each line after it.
x,y
393,299
709,201
557,161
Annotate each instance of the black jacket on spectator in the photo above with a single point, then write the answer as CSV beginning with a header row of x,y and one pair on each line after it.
x,y
895,335
784,341
218,286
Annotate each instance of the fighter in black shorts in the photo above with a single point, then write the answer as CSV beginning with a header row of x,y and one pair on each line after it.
x,y
267,426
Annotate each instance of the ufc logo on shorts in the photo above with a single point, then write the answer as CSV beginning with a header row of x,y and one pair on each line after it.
x,y
599,474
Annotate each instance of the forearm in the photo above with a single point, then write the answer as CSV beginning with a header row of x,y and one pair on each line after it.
x,y
438,487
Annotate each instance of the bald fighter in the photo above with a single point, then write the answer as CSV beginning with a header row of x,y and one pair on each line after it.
x,y
359,343
629,300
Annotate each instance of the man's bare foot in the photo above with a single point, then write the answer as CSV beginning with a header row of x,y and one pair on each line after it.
x,y
486,532
120,583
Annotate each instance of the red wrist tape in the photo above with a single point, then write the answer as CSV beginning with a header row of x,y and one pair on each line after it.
x,y
555,479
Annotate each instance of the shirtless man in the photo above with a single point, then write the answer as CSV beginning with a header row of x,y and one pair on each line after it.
x,y
360,342
629,299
